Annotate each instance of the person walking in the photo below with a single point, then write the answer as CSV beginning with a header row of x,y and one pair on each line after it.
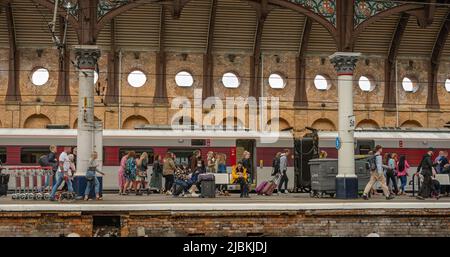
x,y
121,174
276,164
283,169
376,167
91,178
390,172
53,162
130,171
156,179
426,169
141,176
402,168
168,172
62,173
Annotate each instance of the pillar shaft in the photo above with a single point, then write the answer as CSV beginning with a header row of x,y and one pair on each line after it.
x,y
87,57
346,180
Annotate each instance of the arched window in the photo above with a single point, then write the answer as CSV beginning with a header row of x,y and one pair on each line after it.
x,y
324,124
411,124
37,121
134,121
368,124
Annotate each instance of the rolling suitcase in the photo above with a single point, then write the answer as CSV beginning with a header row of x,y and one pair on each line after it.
x,y
271,185
4,179
260,187
269,188
208,189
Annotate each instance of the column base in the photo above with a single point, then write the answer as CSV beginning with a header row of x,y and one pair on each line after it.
x,y
346,187
79,186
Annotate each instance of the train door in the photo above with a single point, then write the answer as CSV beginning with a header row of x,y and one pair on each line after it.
x,y
247,145
363,147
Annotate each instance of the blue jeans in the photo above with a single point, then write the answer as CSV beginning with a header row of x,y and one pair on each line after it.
x,y
183,184
89,185
59,180
403,182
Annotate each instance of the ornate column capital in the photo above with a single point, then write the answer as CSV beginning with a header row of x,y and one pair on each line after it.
x,y
87,56
344,62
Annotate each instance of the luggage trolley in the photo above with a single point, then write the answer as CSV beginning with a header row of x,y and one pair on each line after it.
x,y
27,180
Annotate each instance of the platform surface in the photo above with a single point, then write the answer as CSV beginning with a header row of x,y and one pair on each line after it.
x,y
155,202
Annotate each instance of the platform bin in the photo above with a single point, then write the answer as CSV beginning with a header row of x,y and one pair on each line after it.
x,y
323,176
362,172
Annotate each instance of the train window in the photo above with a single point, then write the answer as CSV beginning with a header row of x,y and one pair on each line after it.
x,y
3,154
198,142
182,155
138,151
31,154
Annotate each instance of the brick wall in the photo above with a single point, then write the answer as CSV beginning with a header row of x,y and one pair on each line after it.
x,y
393,222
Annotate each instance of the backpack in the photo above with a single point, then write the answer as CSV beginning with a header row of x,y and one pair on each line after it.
x,y
129,166
43,161
371,163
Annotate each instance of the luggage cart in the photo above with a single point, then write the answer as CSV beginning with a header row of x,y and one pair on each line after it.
x,y
27,180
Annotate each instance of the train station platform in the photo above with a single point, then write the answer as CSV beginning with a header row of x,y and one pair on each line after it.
x,y
285,215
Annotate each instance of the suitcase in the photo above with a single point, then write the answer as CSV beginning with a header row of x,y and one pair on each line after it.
x,y
3,189
269,188
260,187
206,177
208,189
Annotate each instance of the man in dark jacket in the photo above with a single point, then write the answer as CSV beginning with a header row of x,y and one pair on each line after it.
x,y
426,165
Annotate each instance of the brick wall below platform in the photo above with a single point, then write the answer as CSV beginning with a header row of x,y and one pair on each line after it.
x,y
418,222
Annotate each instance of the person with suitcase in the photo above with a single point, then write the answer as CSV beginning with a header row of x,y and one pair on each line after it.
x,y
426,168
239,176
283,169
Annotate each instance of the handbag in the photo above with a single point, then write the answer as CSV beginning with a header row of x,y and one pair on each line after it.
x,y
390,172
90,174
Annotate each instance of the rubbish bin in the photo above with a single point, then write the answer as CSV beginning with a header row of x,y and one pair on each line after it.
x,y
324,172
362,172
323,177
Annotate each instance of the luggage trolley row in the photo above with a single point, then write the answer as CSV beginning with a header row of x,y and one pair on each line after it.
x,y
30,182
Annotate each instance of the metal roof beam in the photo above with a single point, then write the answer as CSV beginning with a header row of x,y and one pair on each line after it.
x,y
390,99
262,11
439,44
13,91
112,89
208,62
160,67
63,90
300,98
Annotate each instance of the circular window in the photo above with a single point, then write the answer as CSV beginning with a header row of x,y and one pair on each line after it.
x,y
366,83
276,81
95,77
230,80
184,79
322,82
40,77
447,85
409,84
136,78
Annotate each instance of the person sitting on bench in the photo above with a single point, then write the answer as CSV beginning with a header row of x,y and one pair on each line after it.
x,y
239,176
